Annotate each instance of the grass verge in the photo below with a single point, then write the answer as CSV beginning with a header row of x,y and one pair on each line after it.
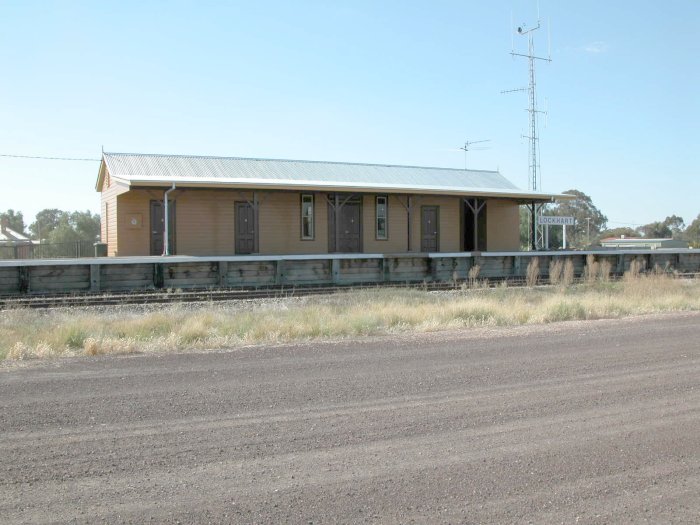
x,y
26,334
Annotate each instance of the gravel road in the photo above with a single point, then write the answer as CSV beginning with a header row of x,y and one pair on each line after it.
x,y
592,422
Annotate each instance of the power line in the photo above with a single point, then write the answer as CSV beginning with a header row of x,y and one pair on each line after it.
x,y
626,223
47,158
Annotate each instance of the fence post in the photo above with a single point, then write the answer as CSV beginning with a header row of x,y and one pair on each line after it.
x,y
434,263
279,271
335,271
223,273
94,277
158,276
23,279
386,269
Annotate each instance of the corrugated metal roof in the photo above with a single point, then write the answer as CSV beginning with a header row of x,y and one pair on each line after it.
x,y
8,236
144,168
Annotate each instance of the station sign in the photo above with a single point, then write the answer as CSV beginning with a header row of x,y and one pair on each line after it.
x,y
553,220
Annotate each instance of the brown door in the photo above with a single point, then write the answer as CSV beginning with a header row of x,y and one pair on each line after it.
x,y
158,227
349,230
429,229
245,228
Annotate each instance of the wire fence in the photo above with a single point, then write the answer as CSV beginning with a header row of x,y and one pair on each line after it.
x,y
61,250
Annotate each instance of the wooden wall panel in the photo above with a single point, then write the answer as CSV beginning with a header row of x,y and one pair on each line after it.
x,y
397,221
108,213
502,226
205,222
280,224
450,221
134,240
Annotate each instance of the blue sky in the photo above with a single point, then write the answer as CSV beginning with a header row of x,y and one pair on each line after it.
x,y
401,82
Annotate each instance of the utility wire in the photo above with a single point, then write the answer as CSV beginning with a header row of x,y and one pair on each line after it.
x,y
626,223
46,158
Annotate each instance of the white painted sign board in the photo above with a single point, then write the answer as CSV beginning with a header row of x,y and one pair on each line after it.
x,y
551,220
555,221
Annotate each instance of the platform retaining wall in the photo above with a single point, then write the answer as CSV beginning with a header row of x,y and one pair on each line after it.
x,y
108,274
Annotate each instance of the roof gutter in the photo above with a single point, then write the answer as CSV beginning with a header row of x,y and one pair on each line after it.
x,y
353,187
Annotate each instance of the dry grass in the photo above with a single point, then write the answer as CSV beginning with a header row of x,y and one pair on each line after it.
x,y
473,275
532,273
590,271
26,334
556,268
635,269
604,270
567,278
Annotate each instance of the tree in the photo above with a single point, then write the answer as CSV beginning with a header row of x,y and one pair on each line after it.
x,y
45,222
692,233
676,224
524,228
654,230
15,220
619,232
672,226
58,226
589,221
86,225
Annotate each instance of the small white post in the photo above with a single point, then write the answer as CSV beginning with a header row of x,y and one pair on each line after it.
x,y
563,229
166,233
546,236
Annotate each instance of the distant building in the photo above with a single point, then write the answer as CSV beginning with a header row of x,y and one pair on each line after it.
x,y
642,243
13,245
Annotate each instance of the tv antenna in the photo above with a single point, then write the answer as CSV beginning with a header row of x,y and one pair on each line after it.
x,y
534,176
468,147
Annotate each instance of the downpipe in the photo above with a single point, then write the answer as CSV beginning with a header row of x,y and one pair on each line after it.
x,y
166,239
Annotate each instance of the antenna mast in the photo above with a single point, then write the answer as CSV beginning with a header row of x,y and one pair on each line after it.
x,y
534,176
534,179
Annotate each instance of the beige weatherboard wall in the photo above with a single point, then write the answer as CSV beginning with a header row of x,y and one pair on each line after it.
x,y
207,190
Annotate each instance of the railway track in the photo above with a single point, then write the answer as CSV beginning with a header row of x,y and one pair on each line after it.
x,y
227,294
231,294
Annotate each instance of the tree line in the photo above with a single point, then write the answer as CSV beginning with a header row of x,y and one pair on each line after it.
x,y
591,225
56,226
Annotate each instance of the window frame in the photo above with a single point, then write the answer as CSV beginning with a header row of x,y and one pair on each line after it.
x,y
385,237
312,221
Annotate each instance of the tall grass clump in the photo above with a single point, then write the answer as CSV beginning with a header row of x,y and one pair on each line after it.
x,y
590,272
473,275
604,270
533,272
634,271
556,268
567,276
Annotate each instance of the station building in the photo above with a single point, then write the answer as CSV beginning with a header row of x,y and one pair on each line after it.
x,y
220,206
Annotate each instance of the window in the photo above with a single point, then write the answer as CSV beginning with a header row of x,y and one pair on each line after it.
x,y
307,216
382,208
